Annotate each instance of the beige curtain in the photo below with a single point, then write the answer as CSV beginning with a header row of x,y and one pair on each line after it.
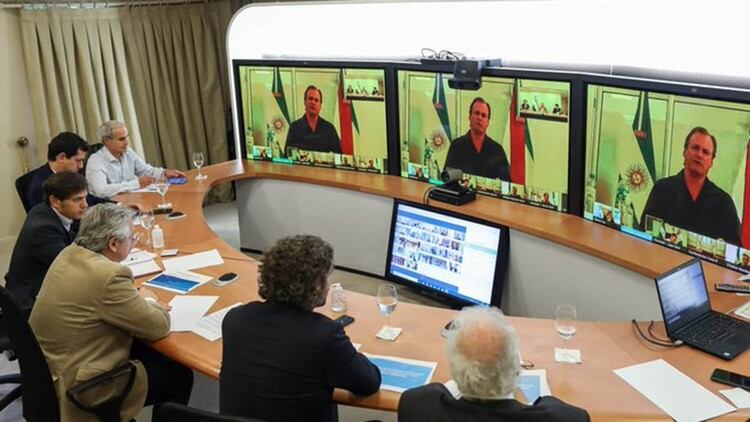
x,y
77,72
162,70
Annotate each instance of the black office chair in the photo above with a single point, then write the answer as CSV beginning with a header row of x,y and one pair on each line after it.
x,y
39,395
169,412
22,186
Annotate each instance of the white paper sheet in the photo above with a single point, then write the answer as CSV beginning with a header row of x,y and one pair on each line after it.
x,y
743,311
187,310
674,392
138,256
143,268
738,397
209,327
399,374
191,262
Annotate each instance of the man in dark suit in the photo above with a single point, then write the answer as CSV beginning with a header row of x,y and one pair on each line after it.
x,y
48,229
281,360
483,354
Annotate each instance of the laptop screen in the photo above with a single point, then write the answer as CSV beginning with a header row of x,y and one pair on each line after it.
x,y
683,295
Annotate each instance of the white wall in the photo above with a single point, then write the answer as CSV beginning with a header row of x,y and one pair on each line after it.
x,y
15,121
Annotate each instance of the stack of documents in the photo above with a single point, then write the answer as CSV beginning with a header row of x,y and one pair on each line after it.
x,y
209,327
141,263
399,374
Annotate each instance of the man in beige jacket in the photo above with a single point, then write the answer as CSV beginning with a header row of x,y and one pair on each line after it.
x,y
88,311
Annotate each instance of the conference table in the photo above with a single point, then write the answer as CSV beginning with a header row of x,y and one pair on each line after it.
x,y
605,346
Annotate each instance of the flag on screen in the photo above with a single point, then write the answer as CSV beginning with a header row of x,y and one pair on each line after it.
x,y
441,107
347,118
520,141
278,93
637,163
746,201
643,136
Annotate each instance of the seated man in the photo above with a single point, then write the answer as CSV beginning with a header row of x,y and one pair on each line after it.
x,y
65,152
282,360
483,355
48,229
116,168
88,312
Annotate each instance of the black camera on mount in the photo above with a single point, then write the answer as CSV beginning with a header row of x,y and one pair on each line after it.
x,y
452,191
467,74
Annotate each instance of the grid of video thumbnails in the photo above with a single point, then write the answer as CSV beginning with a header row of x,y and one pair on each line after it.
x,y
426,247
660,232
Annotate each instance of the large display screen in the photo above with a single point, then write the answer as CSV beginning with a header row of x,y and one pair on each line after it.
x,y
321,116
670,169
510,138
455,258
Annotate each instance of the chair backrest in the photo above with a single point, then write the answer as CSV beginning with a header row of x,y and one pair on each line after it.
x,y
22,187
168,412
39,396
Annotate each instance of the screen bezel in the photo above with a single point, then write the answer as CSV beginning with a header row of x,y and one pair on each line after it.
x,y
576,145
662,87
389,81
501,265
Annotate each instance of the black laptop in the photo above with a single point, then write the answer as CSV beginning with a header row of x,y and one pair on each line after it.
x,y
687,314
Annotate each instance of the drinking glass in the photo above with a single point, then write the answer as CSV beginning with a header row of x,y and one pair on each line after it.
x,y
147,221
162,186
565,322
387,300
198,159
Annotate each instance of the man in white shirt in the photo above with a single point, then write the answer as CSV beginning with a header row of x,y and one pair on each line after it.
x,y
116,168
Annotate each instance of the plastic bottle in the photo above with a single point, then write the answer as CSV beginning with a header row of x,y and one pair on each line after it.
x,y
338,298
157,237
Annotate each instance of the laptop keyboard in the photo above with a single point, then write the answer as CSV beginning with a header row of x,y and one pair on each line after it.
x,y
707,331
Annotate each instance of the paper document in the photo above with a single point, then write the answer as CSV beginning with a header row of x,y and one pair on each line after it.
x,y
400,374
138,256
738,397
209,327
743,311
149,188
533,384
191,262
674,392
187,310
144,268
177,281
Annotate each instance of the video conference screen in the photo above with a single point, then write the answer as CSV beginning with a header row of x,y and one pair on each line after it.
x,y
670,169
327,117
456,258
510,138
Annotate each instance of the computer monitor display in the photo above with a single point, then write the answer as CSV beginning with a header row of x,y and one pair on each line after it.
x,y
460,260
524,155
671,169
321,116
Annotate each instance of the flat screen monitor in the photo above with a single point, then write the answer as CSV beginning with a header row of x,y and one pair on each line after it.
x,y
460,260
323,115
524,153
669,164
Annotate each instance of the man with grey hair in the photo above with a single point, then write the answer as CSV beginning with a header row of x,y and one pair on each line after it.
x,y
117,168
483,353
88,311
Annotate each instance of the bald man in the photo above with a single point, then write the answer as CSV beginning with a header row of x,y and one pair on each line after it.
x,y
483,354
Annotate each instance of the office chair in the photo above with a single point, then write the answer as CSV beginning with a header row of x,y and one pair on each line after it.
x,y
22,186
39,395
169,412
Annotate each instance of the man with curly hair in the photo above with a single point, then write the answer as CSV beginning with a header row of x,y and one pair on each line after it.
x,y
281,360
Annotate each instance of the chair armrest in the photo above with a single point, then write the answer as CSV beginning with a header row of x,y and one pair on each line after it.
x,y
128,368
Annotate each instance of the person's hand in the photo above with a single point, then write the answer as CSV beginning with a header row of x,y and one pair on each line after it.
x,y
150,296
144,181
137,207
173,173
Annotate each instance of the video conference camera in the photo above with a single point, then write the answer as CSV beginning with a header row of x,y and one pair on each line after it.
x,y
452,191
467,74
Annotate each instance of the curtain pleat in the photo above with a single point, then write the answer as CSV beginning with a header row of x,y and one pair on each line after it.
x,y
161,70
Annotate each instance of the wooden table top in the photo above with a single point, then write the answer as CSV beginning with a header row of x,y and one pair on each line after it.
x,y
604,346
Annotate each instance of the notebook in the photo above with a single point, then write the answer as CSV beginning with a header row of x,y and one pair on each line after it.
x,y
687,313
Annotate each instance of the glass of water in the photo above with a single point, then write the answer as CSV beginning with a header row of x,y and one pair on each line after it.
x,y
565,322
387,300
147,221
162,186
198,160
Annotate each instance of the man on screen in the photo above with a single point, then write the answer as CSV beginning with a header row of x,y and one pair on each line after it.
x,y
689,200
475,152
311,132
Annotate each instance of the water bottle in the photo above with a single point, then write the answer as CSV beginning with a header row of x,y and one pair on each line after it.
x,y
157,237
338,298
